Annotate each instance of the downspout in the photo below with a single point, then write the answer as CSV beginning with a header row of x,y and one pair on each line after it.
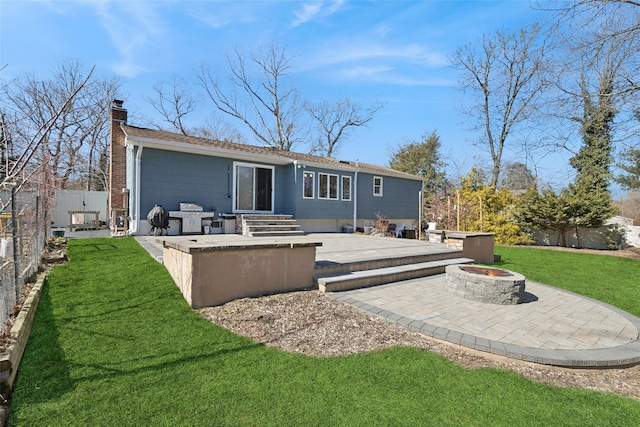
x,y
355,199
295,172
135,224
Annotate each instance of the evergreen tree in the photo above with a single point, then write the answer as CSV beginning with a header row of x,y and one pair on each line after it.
x,y
631,165
423,159
545,211
593,161
589,198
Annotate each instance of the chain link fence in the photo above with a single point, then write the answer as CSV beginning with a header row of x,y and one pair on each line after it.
x,y
22,237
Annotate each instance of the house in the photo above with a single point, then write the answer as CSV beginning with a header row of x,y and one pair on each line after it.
x,y
149,167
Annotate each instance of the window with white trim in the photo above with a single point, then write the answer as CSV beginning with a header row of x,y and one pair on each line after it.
x,y
346,188
327,186
308,190
377,186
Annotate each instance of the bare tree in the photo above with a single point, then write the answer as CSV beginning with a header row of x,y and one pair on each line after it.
x,y
598,83
174,101
218,129
173,104
599,14
336,120
66,124
259,96
23,155
505,74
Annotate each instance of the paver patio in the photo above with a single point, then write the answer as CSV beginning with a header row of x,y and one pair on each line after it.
x,y
552,326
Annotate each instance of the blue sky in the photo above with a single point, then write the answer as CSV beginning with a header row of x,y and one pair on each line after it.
x,y
395,52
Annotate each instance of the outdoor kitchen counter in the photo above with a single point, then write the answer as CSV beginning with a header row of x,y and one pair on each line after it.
x,y
212,270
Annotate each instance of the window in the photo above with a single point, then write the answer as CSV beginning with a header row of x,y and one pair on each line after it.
x,y
346,188
377,186
309,187
327,186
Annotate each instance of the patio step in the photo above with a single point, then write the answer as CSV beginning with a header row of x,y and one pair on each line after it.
x,y
276,233
270,225
381,276
324,268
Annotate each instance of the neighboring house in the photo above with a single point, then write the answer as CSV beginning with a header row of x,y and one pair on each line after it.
x,y
149,167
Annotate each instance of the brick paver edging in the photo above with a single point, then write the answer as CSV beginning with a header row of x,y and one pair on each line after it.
x,y
624,355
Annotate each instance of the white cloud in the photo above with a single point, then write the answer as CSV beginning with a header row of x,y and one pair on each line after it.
x,y
390,75
309,11
362,72
224,14
130,26
380,54
126,68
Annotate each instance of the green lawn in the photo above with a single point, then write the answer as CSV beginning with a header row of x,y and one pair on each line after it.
x,y
607,278
115,344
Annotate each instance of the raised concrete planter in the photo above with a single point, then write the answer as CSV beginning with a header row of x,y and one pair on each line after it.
x,y
10,362
477,246
210,274
483,284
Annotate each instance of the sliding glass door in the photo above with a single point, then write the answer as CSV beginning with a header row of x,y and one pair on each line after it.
x,y
253,188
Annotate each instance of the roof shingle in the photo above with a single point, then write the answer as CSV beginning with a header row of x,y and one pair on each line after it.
x,y
136,133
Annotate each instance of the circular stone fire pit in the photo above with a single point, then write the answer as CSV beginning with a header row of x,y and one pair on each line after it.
x,y
485,284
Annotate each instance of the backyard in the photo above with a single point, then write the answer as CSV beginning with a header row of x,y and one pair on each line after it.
x,y
114,343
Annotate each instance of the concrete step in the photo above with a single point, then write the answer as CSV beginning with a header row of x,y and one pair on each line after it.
x,y
276,233
323,268
381,276
274,227
270,225
276,223
263,217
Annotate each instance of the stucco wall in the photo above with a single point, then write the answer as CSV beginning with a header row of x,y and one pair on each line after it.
x,y
212,276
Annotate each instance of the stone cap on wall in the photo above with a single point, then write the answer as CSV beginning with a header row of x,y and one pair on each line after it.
x,y
197,246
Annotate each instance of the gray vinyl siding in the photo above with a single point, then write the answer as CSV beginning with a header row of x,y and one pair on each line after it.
x,y
317,208
399,197
169,178
285,190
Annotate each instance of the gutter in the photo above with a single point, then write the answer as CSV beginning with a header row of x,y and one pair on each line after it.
x,y
134,224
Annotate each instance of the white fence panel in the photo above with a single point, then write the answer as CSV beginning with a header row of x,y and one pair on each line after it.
x,y
633,235
79,200
592,238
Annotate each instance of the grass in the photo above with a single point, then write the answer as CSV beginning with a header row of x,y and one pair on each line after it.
x,y
114,343
607,278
